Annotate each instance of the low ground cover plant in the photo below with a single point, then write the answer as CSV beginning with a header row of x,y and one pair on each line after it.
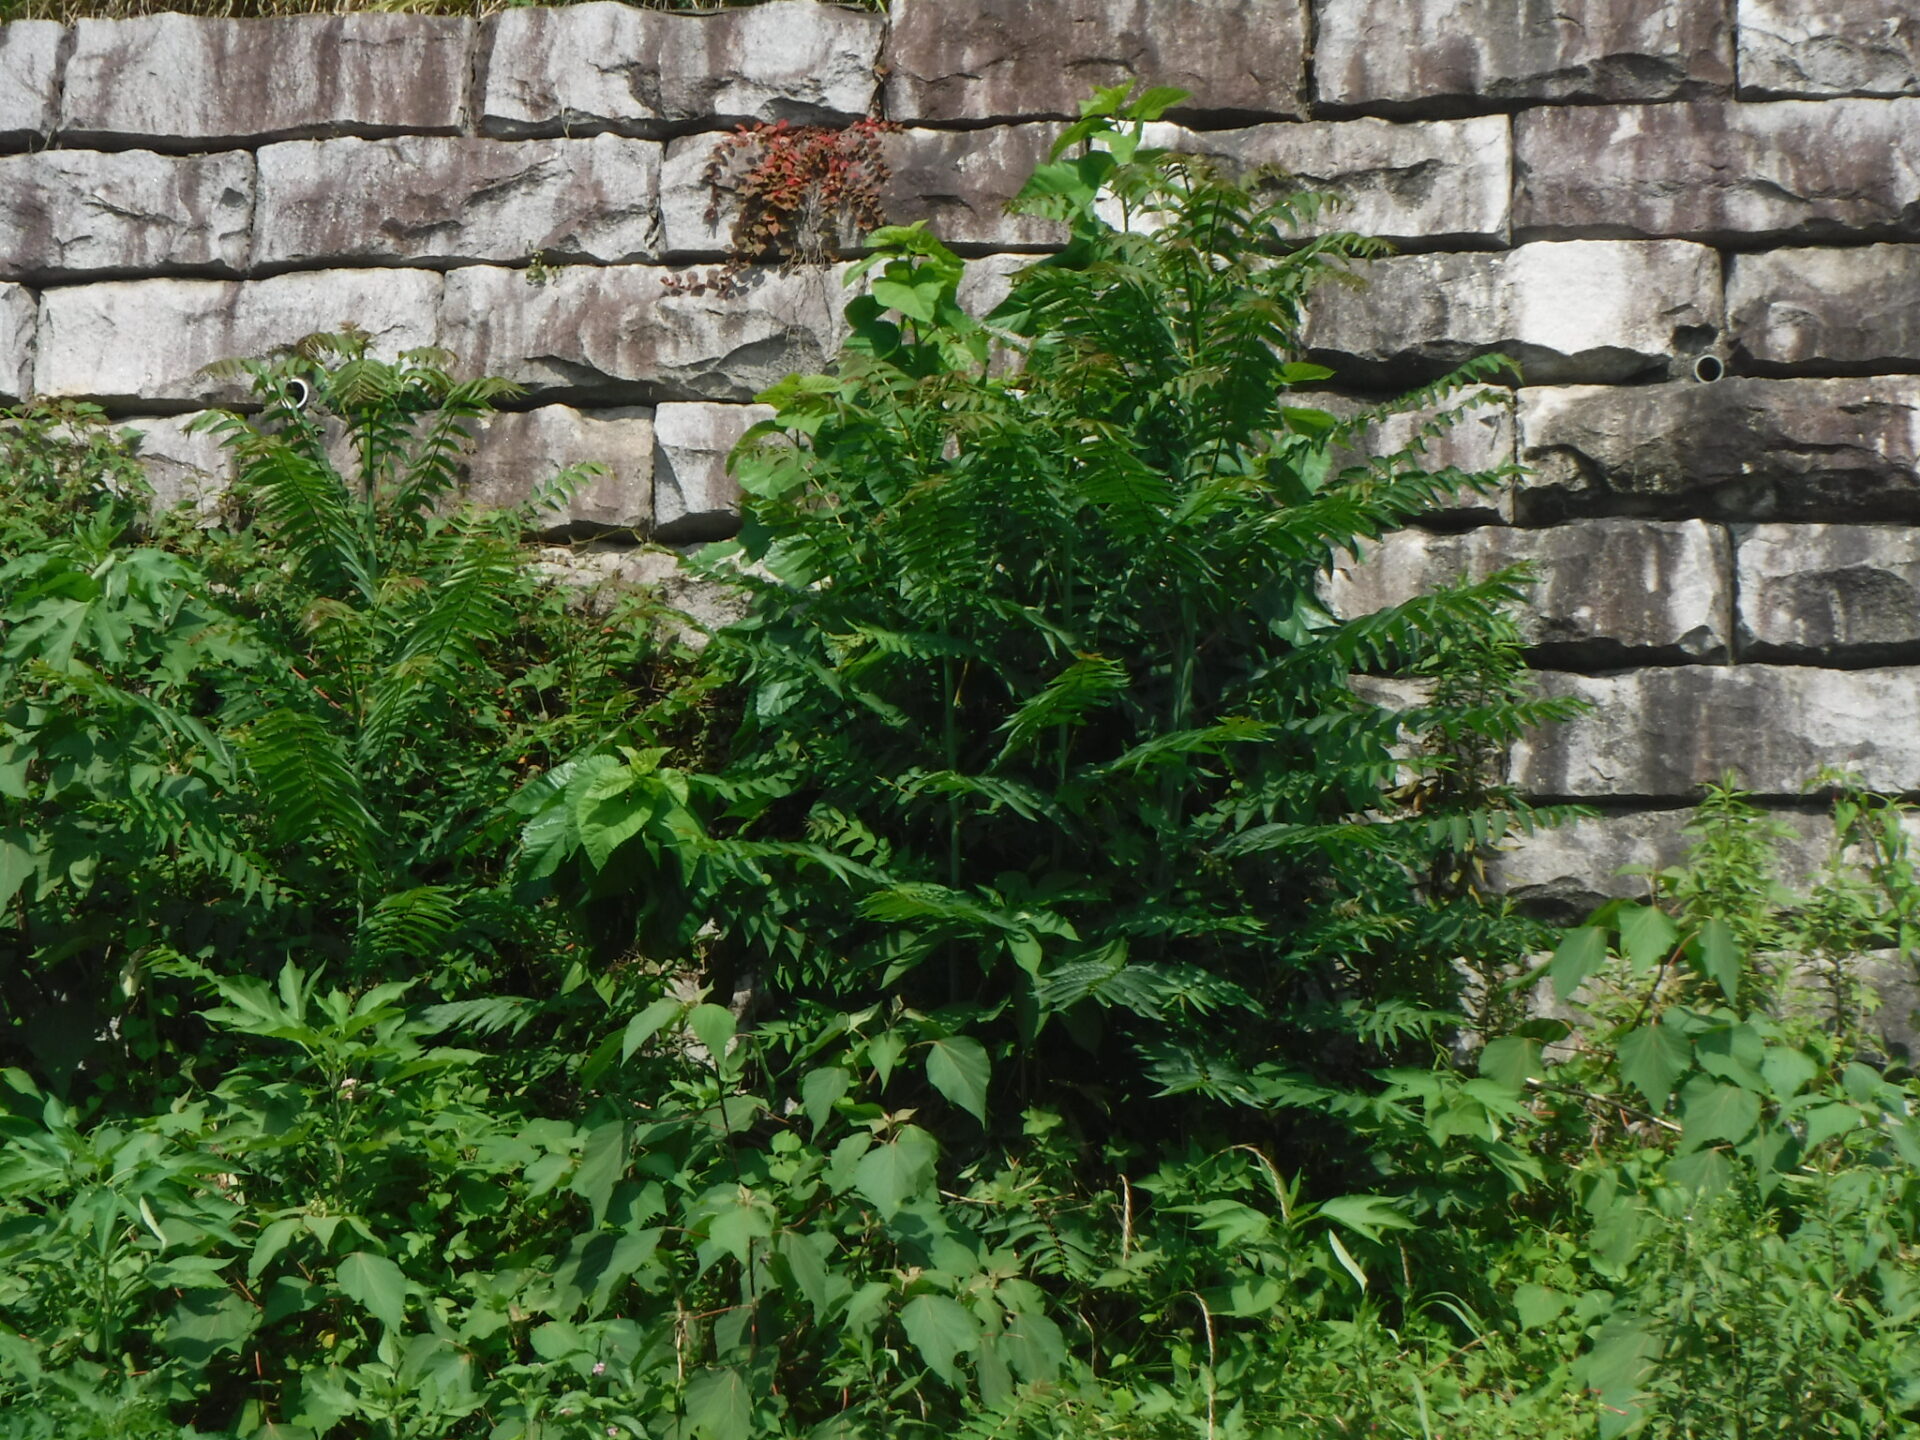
x,y
1025,979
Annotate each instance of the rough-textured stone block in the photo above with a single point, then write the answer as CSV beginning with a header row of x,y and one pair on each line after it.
x,y
1844,594
1829,47
18,318
636,333
1480,439
1438,185
144,342
1738,450
1609,592
517,452
601,571
694,498
179,82
1453,56
29,76
184,467
1832,312
72,213
1565,873
958,181
448,201
1006,60
1576,310
1666,732
604,66
1719,171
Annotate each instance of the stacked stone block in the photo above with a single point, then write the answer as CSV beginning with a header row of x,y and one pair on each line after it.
x,y
1613,192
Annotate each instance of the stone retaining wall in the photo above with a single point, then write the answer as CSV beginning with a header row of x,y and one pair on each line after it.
x,y
1606,189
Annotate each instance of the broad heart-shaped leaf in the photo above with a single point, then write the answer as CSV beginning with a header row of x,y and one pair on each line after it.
x,y
1646,936
1652,1060
941,1328
205,1322
376,1285
647,1024
713,1027
1710,1111
603,1159
890,1175
1717,955
1512,1061
958,1068
1622,1354
1582,952
818,1092
719,1406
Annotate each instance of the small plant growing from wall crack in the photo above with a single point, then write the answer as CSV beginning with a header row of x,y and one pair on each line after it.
x,y
798,194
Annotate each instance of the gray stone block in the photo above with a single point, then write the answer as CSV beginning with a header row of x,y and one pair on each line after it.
x,y
988,281
1570,311
143,343
180,82
1664,733
18,322
1826,312
1439,185
1845,594
29,81
516,452
586,68
1609,592
76,213
1829,47
634,334
185,469
446,201
959,182
602,572
1739,450
1719,171
1005,60
1436,57
694,498
1566,872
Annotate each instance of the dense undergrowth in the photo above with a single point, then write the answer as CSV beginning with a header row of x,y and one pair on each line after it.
x,y
71,10
1013,983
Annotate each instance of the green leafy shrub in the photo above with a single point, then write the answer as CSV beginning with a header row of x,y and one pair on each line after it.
x,y
296,735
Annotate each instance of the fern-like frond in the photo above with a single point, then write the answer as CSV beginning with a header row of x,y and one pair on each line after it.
x,y
309,788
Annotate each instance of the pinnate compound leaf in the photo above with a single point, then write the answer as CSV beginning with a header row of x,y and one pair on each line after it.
x,y
958,1068
719,1406
375,1284
942,1329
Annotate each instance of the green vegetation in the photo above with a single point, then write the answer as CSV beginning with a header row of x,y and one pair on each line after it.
x,y
1010,984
